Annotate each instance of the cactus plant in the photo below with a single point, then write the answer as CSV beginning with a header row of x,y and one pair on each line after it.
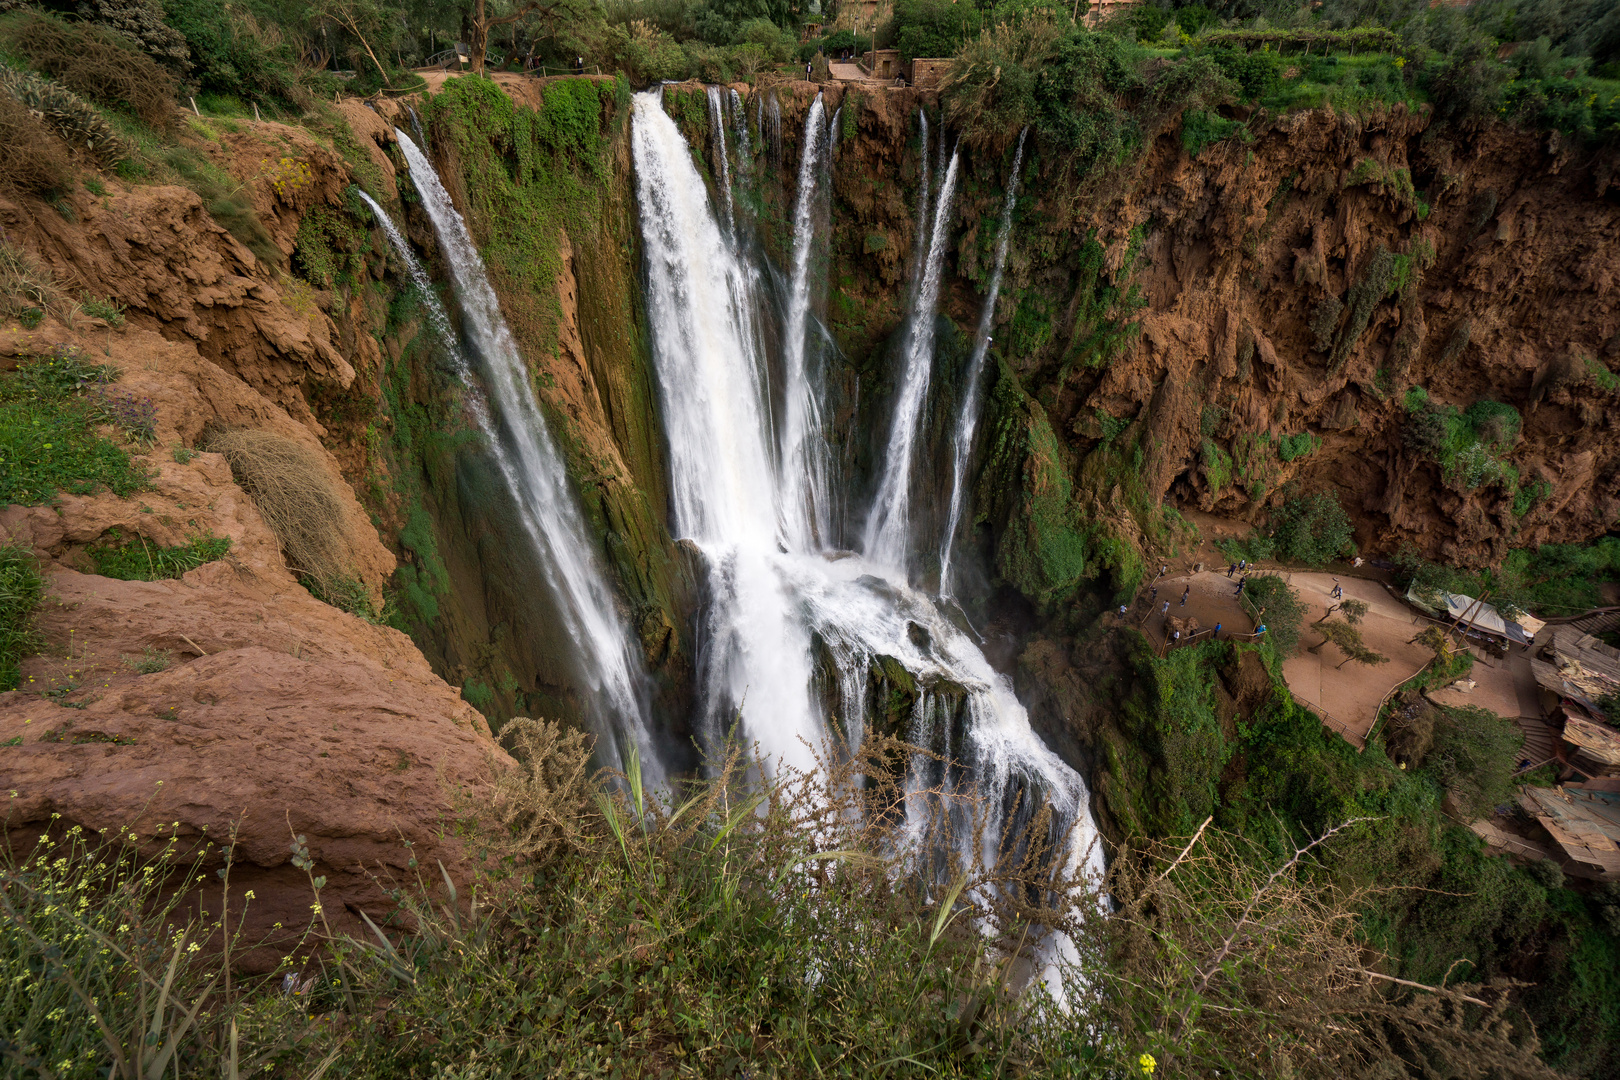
x,y
72,117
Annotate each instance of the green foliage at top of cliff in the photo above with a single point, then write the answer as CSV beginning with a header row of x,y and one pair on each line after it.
x,y
528,174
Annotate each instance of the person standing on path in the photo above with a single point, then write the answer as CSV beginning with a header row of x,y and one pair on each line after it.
x,y
1165,611
1184,596
1153,598
1231,569
1217,631
1176,640
1122,611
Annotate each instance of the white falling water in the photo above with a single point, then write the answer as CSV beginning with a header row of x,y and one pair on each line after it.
x,y
888,539
962,445
803,449
775,587
717,139
528,461
724,490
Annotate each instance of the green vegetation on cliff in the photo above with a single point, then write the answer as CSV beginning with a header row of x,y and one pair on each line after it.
x,y
52,412
1211,730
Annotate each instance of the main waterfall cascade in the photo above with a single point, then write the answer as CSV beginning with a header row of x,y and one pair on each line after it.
x,y
533,471
968,421
794,627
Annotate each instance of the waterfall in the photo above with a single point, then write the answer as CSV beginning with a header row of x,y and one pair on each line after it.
x,y
803,448
533,471
717,140
774,114
745,153
794,630
723,476
416,126
888,527
962,446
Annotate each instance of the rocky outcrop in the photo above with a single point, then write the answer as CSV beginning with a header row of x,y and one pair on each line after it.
x,y
229,704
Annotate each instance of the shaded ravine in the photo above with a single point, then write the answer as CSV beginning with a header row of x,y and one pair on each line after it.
x,y
615,695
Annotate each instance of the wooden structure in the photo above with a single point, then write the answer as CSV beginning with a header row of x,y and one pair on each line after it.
x,y
1583,826
1578,668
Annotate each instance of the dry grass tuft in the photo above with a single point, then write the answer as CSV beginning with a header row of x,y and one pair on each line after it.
x,y
98,64
296,494
28,290
32,160
539,805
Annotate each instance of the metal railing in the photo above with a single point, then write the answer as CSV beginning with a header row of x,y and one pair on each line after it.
x,y
1329,720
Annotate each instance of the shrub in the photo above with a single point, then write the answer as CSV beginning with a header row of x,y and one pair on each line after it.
x,y
21,588
232,54
295,493
1474,757
644,53
1257,73
1201,128
98,64
134,559
68,115
1313,529
1298,445
141,21
33,161
934,28
110,313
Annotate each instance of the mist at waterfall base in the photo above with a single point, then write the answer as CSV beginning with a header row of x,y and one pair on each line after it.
x,y
502,403
793,627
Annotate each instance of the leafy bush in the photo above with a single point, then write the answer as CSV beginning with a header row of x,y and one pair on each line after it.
x,y
1257,74
644,53
232,54
135,559
933,28
1313,529
21,588
1201,128
1301,444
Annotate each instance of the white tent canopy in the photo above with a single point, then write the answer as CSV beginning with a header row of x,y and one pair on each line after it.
x,y
1453,606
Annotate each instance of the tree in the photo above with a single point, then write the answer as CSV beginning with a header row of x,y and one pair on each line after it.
x,y
1348,639
1272,601
1353,611
1314,529
360,18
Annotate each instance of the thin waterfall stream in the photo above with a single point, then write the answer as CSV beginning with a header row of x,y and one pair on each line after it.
x,y
889,540
527,459
968,421
793,627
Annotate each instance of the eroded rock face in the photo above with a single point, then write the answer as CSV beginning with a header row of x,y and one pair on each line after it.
x,y
229,701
